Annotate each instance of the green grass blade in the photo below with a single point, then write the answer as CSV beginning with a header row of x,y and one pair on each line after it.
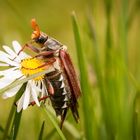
x,y
15,125
17,117
136,109
96,65
55,124
1,129
50,135
110,84
9,121
67,126
125,107
96,62
41,131
134,82
136,117
85,85
12,111
72,130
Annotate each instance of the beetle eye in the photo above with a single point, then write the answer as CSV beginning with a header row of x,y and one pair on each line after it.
x,y
42,39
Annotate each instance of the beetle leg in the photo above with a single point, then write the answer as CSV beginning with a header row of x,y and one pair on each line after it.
x,y
34,49
40,99
45,53
51,61
63,116
50,87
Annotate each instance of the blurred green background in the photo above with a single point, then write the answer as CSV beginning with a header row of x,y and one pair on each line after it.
x,y
116,23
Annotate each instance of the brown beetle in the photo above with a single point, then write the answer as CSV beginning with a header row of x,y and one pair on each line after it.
x,y
62,84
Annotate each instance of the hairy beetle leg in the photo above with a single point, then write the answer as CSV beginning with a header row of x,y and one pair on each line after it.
x,y
34,49
40,99
45,53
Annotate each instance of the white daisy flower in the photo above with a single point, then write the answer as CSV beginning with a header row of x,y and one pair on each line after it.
x,y
21,66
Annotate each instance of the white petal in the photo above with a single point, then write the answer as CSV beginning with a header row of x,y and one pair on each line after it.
x,y
23,102
15,57
8,61
14,75
40,87
11,74
13,54
38,84
23,55
35,87
3,57
20,104
4,72
26,97
2,64
34,96
9,51
11,92
16,46
12,63
5,81
5,54
44,90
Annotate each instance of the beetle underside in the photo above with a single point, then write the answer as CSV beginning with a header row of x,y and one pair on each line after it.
x,y
62,99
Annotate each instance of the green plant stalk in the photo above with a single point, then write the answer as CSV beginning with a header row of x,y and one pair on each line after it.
x,y
136,117
51,118
100,80
135,83
125,108
41,131
86,89
72,130
1,129
135,108
133,13
110,84
8,124
50,135
67,126
15,125
12,112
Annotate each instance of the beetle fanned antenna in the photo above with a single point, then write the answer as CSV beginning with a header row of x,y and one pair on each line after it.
x,y
36,32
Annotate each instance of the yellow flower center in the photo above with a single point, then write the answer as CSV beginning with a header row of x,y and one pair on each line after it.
x,y
31,66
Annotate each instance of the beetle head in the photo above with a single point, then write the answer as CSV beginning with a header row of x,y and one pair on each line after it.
x,y
37,35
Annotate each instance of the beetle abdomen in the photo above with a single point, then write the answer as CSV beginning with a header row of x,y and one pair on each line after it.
x,y
61,93
60,98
